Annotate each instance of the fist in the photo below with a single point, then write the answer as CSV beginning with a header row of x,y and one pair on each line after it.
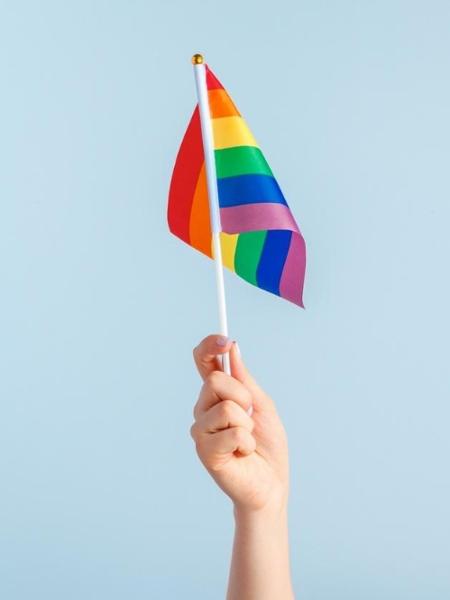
x,y
237,432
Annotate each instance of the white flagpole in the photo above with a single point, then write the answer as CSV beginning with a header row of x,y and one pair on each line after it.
x,y
213,196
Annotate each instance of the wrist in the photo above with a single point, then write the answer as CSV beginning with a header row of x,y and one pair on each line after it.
x,y
273,512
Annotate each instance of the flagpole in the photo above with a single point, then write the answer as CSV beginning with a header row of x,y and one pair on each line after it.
x,y
213,196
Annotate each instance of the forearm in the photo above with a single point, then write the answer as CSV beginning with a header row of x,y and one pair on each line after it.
x,y
248,458
260,562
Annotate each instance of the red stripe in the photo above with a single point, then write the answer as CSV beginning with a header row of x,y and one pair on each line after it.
x,y
212,83
184,179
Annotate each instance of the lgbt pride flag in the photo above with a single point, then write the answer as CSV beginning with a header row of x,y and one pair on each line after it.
x,y
259,239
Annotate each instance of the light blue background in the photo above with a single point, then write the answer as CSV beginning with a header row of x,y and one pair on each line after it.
x,y
102,496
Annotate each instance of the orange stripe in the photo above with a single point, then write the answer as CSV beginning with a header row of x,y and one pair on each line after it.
x,y
199,224
221,105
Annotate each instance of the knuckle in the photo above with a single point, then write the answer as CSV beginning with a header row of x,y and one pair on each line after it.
x,y
237,434
196,409
213,380
199,445
226,408
193,431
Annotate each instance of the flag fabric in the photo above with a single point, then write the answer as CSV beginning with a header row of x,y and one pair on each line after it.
x,y
260,240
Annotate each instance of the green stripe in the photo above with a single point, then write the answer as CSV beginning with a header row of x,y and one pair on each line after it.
x,y
241,160
248,252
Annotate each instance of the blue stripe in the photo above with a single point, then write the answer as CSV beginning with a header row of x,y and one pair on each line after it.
x,y
273,257
249,189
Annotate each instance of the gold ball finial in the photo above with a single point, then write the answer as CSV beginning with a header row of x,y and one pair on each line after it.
x,y
197,59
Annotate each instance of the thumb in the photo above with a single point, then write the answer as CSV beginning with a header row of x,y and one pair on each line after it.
x,y
240,372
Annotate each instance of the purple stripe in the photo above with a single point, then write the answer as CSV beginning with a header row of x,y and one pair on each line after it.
x,y
293,276
255,217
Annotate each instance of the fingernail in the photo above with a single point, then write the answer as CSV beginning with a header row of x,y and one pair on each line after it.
x,y
222,341
237,348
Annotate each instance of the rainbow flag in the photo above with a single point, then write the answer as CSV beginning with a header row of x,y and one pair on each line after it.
x,y
260,240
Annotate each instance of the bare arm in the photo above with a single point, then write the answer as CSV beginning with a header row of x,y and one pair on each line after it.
x,y
248,458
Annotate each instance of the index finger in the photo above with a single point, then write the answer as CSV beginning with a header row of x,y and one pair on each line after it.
x,y
207,352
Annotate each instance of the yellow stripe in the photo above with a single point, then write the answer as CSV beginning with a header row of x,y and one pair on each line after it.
x,y
231,131
228,243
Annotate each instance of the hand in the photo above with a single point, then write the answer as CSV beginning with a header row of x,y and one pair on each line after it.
x,y
246,455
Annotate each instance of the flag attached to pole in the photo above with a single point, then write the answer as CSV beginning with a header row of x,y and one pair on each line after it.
x,y
260,239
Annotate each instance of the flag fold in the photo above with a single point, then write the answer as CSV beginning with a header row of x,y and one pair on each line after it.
x,y
260,240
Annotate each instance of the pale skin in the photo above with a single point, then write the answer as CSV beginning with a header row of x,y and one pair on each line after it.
x,y
242,443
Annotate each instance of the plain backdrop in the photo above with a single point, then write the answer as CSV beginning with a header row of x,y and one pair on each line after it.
x,y
101,494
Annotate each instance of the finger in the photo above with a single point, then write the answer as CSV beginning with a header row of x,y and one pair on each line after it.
x,y
218,387
207,352
224,415
238,368
212,448
240,372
